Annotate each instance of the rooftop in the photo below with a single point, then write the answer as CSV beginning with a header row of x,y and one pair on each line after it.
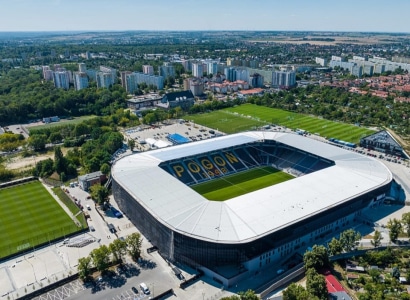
x,y
250,216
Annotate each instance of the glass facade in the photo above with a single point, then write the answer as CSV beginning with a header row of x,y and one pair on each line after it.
x,y
177,246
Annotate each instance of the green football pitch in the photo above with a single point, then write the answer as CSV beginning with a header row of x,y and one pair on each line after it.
x,y
250,116
30,216
241,183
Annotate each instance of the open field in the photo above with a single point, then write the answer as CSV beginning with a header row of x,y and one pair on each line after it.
x,y
249,115
29,216
228,187
62,122
225,122
328,38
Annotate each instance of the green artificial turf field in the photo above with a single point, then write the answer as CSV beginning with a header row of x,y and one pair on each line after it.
x,y
240,183
250,116
30,216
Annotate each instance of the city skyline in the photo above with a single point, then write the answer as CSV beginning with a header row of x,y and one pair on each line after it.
x,y
181,15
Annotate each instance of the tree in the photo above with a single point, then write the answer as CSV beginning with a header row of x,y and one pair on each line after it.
x,y
348,239
317,258
55,137
335,247
377,238
405,219
375,275
248,295
38,142
99,193
395,228
316,284
105,169
59,160
118,248
296,292
134,243
84,267
131,144
101,257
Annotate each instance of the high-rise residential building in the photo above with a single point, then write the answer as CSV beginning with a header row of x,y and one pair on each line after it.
x,y
230,74
321,61
167,70
87,55
131,84
242,74
187,64
186,84
112,71
61,80
104,79
137,78
82,67
123,76
92,74
148,69
196,85
47,73
212,68
256,80
198,69
284,79
80,80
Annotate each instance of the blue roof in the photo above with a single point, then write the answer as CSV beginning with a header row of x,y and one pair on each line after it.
x,y
176,139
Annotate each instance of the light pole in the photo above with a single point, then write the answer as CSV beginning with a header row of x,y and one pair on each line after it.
x,y
153,291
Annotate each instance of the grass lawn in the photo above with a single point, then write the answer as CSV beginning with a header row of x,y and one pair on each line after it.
x,y
248,116
62,122
30,216
231,186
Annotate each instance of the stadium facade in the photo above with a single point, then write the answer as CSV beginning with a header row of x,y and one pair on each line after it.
x,y
253,231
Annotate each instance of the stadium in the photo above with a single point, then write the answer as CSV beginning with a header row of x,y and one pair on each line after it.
x,y
232,239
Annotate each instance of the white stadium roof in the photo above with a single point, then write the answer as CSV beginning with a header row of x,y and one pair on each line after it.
x,y
255,214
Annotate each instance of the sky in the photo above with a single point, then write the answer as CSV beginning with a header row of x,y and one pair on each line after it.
x,y
117,15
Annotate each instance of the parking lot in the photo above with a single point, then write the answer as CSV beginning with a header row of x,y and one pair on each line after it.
x,y
189,130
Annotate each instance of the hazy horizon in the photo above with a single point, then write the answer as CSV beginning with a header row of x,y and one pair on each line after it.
x,y
181,15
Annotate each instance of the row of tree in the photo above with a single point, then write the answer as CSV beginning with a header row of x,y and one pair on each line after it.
x,y
104,256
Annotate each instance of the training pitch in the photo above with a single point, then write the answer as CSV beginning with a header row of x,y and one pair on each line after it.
x,y
250,116
30,216
240,183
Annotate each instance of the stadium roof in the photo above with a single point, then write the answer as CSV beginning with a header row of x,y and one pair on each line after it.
x,y
253,215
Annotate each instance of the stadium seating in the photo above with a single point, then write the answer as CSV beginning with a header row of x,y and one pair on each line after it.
x,y
196,169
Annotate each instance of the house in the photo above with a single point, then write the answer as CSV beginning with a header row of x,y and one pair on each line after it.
x,y
87,180
184,99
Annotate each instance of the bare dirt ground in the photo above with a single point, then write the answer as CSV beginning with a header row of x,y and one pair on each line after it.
x,y
18,162
21,163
